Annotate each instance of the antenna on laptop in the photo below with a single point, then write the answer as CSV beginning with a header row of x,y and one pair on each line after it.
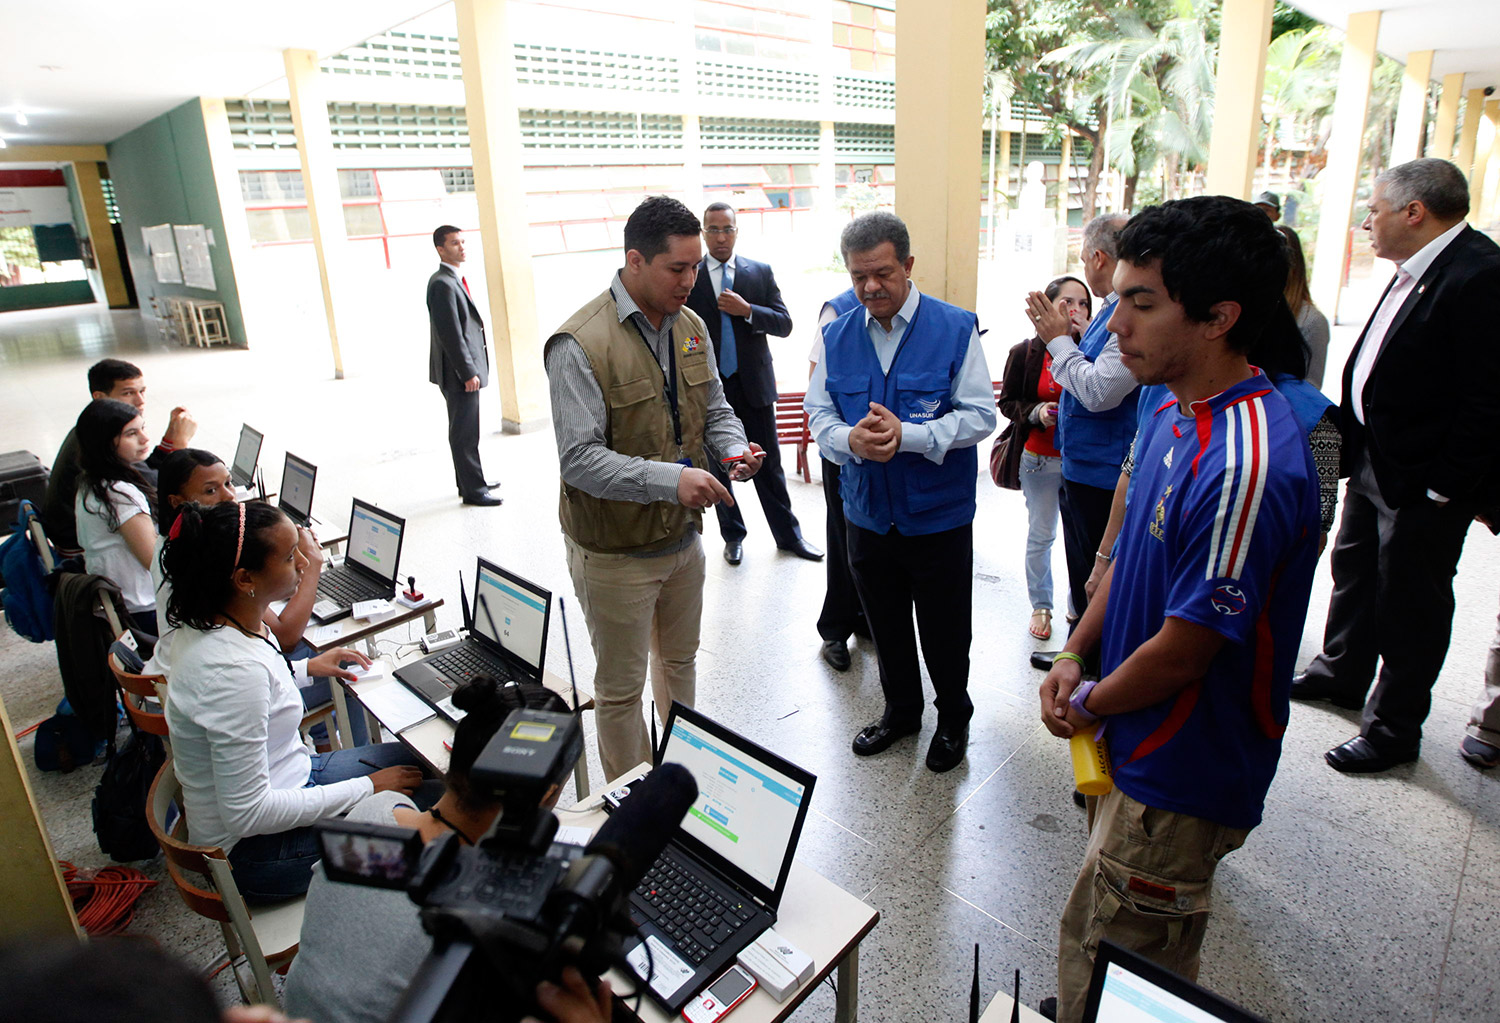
x,y
1015,1003
562,604
974,989
654,744
463,595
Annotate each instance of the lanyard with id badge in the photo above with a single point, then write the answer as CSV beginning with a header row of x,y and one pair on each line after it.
x,y
669,386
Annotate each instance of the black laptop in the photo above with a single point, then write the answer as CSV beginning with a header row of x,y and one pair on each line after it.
x,y
1125,988
295,497
246,456
369,569
719,882
507,639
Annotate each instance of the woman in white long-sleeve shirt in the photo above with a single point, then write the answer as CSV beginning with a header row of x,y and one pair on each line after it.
x,y
250,784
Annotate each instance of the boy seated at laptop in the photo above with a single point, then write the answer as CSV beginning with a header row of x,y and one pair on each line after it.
x,y
121,381
250,784
200,477
388,940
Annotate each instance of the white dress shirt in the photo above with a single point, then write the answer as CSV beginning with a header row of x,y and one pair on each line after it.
x,y
971,420
1408,274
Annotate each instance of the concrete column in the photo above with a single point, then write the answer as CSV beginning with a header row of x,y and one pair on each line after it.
x,y
1064,178
320,180
36,900
939,107
485,47
1482,183
101,234
1411,110
1473,114
1341,176
826,174
692,163
236,239
1442,144
1235,143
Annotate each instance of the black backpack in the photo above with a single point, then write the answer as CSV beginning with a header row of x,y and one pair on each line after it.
x,y
120,799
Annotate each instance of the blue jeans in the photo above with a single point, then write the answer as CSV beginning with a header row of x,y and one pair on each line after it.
x,y
270,868
1041,483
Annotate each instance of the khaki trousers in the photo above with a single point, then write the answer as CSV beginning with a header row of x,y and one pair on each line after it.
x,y
1145,885
1484,719
638,610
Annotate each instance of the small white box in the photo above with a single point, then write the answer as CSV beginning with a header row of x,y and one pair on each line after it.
x,y
768,971
795,961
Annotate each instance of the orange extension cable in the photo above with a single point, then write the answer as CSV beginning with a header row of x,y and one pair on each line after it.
x,y
105,899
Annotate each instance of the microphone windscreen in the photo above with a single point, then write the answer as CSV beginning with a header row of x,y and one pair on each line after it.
x,y
638,831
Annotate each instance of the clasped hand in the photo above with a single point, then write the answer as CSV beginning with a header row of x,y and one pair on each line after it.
x,y
1057,714
877,436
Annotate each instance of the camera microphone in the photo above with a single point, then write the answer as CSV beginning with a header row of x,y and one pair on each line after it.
x,y
635,835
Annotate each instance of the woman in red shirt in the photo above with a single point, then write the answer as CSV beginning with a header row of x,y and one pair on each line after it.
x,y
1028,398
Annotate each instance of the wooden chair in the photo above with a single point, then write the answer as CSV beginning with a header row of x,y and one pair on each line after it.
x,y
792,428
139,692
259,942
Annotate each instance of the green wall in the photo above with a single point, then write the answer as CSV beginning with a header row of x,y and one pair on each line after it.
x,y
43,296
163,175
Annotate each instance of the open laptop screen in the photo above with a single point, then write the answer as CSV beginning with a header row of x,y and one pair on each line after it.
x,y
246,455
1126,988
297,480
512,613
748,811
374,540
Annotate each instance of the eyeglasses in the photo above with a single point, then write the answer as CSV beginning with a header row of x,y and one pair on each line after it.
x,y
720,230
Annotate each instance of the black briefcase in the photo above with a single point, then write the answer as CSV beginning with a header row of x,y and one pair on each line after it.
x,y
22,478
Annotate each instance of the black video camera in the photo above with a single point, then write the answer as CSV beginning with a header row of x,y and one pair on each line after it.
x,y
516,908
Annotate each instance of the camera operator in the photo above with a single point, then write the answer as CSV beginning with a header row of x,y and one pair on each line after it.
x,y
361,946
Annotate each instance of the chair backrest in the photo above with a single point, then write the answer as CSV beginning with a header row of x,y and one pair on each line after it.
x,y
43,546
791,420
212,893
138,689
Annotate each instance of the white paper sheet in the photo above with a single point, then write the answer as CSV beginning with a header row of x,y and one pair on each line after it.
x,y
395,706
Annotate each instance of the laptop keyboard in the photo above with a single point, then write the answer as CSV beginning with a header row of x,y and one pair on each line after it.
x,y
694,914
465,661
345,588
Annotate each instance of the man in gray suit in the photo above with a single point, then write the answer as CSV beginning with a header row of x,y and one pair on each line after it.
x,y
459,363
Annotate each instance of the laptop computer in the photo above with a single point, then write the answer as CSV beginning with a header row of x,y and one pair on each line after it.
x,y
295,498
719,882
1125,988
246,456
507,639
369,569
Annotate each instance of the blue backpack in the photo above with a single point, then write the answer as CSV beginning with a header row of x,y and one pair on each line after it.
x,y
27,603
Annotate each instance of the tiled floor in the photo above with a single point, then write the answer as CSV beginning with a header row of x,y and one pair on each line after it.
x,y
1358,899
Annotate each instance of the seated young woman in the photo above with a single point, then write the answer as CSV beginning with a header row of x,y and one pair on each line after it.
x,y
250,784
112,505
200,477
317,986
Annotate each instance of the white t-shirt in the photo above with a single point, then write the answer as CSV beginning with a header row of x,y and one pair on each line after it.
x,y
160,662
105,551
233,711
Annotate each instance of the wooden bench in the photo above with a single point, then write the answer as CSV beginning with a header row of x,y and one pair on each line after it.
x,y
791,428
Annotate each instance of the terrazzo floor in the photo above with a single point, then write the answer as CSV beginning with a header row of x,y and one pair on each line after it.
x,y
1358,899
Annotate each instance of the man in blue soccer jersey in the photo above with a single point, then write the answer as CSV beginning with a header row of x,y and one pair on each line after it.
x,y
1198,619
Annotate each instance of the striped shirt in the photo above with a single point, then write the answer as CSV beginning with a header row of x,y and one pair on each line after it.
x,y
1222,532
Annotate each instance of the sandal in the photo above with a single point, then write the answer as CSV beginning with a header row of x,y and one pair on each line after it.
x,y
1041,629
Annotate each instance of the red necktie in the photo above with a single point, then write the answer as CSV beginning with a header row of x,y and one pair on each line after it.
x,y
465,282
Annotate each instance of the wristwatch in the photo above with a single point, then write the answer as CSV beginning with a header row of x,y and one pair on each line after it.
x,y
1080,697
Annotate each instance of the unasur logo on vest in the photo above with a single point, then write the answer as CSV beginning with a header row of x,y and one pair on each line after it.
x,y
929,409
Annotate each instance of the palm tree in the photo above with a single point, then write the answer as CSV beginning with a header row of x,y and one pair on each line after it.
x,y
1300,73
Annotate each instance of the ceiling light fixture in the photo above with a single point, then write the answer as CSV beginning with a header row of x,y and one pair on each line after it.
x,y
2,143
21,118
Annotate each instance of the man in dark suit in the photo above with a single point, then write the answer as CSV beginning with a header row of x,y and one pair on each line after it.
x,y
1420,463
459,363
741,304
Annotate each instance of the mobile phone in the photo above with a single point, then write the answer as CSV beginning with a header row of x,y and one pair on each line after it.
x,y
731,988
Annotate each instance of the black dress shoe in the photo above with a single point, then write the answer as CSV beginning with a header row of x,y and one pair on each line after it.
x,y
1079,800
878,737
804,550
1047,1008
484,500
1361,756
836,653
734,551
1316,687
1041,660
947,748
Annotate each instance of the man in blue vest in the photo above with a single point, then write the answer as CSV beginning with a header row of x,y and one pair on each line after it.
x,y
1096,415
899,399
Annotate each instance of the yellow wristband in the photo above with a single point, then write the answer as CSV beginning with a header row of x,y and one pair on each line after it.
x,y
1068,655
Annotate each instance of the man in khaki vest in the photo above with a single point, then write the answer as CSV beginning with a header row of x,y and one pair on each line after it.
x,y
638,409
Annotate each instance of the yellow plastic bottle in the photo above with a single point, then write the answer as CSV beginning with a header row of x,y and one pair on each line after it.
x,y
1090,762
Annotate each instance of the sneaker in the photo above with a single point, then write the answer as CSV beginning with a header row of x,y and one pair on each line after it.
x,y
1479,753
